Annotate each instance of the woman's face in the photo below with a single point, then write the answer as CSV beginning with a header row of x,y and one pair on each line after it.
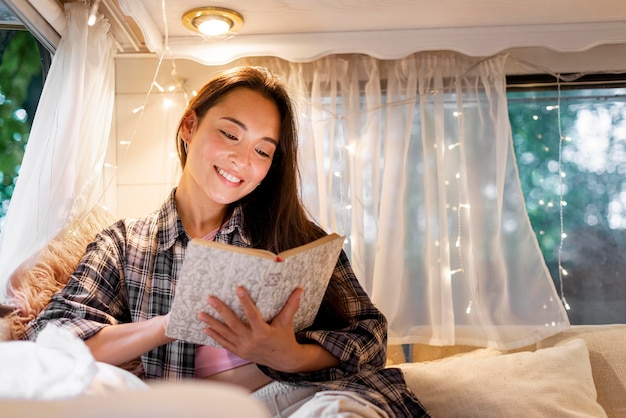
x,y
231,149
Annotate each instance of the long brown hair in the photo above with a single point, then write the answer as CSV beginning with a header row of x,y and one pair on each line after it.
x,y
274,216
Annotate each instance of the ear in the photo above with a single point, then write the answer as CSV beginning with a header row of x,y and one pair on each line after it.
x,y
188,126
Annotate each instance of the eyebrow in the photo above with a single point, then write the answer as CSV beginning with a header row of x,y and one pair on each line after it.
x,y
245,128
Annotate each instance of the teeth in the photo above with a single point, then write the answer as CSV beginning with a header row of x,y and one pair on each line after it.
x,y
228,177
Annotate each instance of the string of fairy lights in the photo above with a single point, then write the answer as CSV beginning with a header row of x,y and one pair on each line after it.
x,y
562,271
179,86
461,206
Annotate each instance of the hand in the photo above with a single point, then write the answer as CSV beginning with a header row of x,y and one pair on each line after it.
x,y
271,344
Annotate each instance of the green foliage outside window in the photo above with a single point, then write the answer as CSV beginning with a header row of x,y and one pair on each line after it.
x,y
586,174
20,88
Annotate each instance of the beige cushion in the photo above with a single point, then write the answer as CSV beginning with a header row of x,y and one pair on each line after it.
x,y
425,352
607,353
552,382
163,400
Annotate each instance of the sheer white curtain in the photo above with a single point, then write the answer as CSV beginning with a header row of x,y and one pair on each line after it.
x,y
413,160
60,178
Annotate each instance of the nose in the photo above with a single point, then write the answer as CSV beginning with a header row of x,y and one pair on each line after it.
x,y
240,157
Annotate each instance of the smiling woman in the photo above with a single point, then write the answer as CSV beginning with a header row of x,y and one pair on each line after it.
x,y
237,132
235,141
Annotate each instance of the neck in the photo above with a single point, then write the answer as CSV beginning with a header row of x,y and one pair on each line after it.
x,y
198,217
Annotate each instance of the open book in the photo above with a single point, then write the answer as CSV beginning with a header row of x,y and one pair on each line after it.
x,y
211,268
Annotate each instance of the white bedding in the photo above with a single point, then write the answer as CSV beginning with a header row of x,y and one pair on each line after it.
x,y
58,365
57,376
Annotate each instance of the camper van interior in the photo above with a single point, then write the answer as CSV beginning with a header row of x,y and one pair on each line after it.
x,y
472,153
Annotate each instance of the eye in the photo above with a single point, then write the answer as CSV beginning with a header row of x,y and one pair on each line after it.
x,y
263,153
229,135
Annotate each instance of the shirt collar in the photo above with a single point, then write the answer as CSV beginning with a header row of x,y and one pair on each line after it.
x,y
169,224
171,227
233,226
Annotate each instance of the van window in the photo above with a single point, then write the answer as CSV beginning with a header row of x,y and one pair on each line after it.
x,y
570,143
574,188
22,63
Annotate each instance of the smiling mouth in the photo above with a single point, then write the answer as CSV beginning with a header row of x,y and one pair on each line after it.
x,y
228,177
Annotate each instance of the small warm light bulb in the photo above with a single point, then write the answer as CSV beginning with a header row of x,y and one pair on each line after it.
x,y
93,11
214,26
158,86
567,307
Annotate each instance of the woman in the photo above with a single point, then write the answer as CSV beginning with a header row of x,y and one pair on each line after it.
x,y
239,185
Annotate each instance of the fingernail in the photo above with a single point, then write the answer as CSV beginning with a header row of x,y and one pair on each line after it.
x,y
212,302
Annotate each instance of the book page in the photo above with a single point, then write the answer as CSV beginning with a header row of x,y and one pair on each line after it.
x,y
218,270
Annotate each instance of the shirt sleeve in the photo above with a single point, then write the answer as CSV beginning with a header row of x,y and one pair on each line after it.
x,y
94,295
360,346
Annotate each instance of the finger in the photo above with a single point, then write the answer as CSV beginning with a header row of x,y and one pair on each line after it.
x,y
214,324
249,307
210,320
285,316
220,339
218,330
223,311
228,324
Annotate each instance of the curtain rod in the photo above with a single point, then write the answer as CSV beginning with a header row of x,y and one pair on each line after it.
x,y
572,81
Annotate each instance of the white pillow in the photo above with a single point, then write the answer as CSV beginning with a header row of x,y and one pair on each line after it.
x,y
551,382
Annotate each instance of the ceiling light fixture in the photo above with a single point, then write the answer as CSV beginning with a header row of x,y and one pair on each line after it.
x,y
212,21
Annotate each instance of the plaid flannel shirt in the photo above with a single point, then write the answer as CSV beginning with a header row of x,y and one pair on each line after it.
x,y
129,274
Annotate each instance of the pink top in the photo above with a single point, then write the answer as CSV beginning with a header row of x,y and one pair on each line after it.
x,y
212,360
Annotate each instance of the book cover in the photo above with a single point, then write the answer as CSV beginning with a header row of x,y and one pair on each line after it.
x,y
212,268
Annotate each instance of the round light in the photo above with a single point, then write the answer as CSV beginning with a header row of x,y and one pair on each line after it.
x,y
213,26
212,21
